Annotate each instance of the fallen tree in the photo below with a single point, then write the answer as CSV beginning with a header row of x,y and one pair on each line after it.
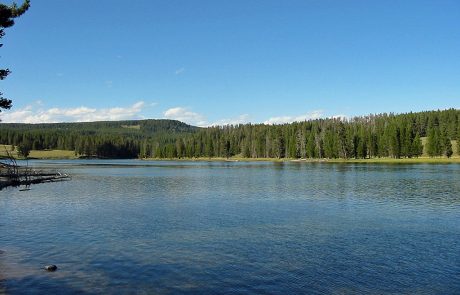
x,y
11,174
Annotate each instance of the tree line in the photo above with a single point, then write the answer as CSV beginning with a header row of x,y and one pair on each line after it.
x,y
384,135
372,136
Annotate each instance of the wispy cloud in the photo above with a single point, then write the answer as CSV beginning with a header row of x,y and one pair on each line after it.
x,y
288,119
37,114
185,115
179,71
194,118
241,119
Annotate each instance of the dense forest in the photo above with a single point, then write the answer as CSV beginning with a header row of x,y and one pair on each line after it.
x,y
382,135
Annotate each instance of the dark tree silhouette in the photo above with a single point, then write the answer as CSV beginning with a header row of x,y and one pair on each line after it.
x,y
7,15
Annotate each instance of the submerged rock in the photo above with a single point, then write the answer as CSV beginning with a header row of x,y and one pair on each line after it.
x,y
51,267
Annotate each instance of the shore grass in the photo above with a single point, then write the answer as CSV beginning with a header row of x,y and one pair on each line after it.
x,y
52,154
38,154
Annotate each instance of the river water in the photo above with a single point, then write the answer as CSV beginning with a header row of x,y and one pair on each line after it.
x,y
130,226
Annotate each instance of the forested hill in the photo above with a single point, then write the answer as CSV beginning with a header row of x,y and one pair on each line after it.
x,y
383,135
110,139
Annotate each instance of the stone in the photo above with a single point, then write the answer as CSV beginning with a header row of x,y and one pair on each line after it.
x,y
51,267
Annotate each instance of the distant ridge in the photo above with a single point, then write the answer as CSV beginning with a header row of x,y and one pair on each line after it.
x,y
145,125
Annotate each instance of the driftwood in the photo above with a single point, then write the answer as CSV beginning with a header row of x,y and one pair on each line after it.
x,y
11,174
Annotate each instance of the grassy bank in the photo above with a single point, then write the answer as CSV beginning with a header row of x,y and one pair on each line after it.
x,y
42,154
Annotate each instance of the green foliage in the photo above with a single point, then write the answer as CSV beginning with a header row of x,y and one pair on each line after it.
x,y
417,146
24,149
448,148
7,15
434,147
373,136
458,137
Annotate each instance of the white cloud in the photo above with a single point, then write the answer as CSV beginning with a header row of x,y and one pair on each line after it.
x,y
32,114
289,119
179,71
241,119
185,115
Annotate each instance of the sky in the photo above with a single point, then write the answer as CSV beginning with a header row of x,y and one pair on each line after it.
x,y
229,62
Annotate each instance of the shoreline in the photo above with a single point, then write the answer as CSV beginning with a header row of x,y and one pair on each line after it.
x,y
421,160
69,155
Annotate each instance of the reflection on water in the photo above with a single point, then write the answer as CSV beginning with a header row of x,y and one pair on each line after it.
x,y
234,227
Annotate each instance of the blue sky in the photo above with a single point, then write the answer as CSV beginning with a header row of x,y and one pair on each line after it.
x,y
208,62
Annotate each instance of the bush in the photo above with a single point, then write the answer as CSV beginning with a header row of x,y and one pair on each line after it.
x,y
24,150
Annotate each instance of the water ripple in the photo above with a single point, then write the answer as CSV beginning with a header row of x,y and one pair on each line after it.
x,y
192,227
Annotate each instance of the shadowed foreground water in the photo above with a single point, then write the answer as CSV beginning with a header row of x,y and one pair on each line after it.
x,y
215,227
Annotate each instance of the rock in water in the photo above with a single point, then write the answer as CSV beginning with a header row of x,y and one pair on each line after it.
x,y
51,267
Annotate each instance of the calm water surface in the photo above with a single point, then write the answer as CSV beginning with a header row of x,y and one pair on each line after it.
x,y
221,227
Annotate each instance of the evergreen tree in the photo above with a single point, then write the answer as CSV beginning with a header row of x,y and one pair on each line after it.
x,y
408,140
227,149
24,149
311,145
7,15
448,147
458,137
417,146
433,142
395,141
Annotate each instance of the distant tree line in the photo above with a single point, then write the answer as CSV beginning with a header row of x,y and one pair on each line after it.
x,y
383,135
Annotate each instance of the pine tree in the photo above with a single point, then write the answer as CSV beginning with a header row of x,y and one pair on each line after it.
x,y
227,149
7,15
417,146
458,137
246,150
24,149
395,141
311,144
434,142
447,147
408,136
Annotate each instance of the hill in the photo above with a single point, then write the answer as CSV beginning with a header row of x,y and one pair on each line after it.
x,y
108,139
